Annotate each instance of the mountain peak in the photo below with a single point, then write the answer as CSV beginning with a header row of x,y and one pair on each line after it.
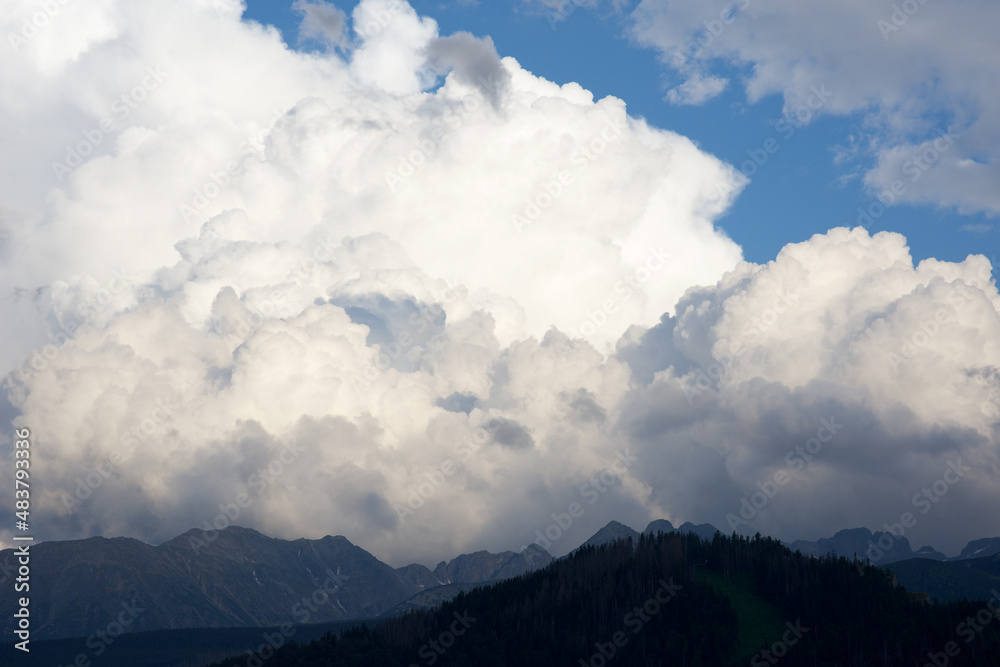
x,y
705,531
981,548
879,547
611,532
659,526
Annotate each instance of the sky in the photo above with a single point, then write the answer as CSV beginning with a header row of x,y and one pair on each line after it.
x,y
449,276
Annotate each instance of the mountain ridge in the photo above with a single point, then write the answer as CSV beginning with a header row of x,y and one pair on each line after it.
x,y
229,578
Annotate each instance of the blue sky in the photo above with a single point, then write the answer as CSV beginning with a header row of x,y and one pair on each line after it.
x,y
798,192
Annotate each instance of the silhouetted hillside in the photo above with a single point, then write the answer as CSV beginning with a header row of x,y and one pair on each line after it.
x,y
971,579
674,600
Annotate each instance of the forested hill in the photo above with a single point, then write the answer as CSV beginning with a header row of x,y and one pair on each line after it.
x,y
675,600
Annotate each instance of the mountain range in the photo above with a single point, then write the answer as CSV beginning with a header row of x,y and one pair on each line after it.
x,y
238,577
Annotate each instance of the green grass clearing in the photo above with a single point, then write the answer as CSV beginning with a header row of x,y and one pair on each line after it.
x,y
761,623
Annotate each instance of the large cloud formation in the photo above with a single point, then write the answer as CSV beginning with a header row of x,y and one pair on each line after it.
x,y
406,291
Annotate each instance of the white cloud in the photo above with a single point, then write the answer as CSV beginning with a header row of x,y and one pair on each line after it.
x,y
181,140
697,90
841,326
354,361
201,226
931,70
342,280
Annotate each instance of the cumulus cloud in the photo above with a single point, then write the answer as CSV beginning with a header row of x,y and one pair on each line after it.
x,y
842,327
411,293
